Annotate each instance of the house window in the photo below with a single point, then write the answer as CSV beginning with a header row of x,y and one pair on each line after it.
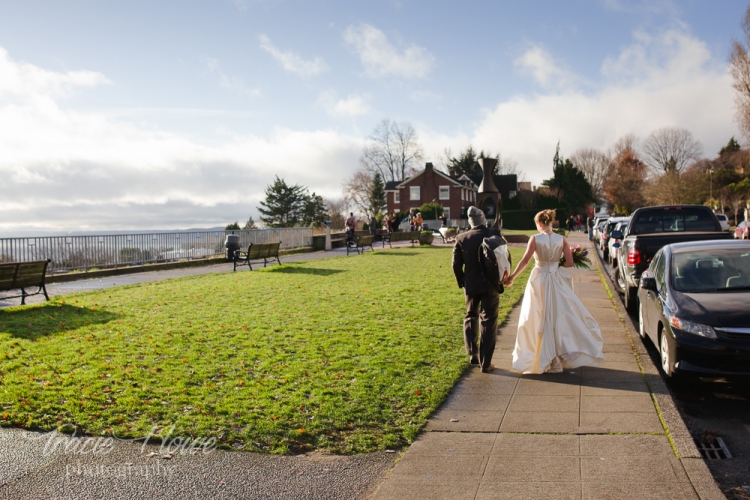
x,y
396,210
445,192
447,212
462,195
397,197
414,193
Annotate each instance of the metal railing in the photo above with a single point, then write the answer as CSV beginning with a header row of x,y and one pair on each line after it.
x,y
69,253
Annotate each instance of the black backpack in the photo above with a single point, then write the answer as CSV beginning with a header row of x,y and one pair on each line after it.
x,y
493,270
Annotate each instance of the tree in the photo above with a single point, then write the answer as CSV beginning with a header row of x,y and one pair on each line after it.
x,y
569,185
466,163
234,225
357,190
391,150
284,205
594,165
337,211
624,182
378,203
431,210
250,224
314,212
739,68
739,193
671,148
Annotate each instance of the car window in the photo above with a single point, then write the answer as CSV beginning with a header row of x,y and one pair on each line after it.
x,y
659,272
673,221
711,270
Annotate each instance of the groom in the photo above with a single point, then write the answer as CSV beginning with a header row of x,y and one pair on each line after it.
x,y
482,298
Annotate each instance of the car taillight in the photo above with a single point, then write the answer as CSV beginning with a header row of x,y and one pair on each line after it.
x,y
634,258
605,236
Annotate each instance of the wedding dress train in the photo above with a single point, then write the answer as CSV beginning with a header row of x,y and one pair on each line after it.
x,y
555,330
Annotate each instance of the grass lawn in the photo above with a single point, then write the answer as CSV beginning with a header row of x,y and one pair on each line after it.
x,y
346,354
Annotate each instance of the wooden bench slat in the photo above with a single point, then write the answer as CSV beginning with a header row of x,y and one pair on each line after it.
x,y
20,275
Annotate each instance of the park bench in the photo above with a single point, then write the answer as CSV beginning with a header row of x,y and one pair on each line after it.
x,y
257,252
22,275
412,236
359,245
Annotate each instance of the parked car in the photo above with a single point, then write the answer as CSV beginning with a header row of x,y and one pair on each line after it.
x,y
607,228
649,230
724,221
613,243
598,231
693,307
740,232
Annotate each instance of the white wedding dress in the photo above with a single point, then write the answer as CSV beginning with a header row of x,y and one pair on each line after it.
x,y
555,330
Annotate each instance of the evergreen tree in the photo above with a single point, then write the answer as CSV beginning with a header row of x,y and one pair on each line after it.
x,y
284,205
378,201
315,211
732,147
250,224
573,190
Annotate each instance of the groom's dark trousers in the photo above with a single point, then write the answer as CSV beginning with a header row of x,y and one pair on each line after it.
x,y
482,299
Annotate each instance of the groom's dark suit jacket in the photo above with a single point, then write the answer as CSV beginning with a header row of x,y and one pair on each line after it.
x,y
466,261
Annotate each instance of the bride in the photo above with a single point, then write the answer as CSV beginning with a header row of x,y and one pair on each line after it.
x,y
555,330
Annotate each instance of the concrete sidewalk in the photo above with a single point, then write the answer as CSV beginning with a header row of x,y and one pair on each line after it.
x,y
586,433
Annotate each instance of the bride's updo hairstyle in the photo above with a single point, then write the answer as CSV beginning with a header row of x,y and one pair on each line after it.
x,y
545,217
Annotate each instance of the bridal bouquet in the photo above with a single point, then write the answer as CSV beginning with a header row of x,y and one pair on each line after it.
x,y
580,258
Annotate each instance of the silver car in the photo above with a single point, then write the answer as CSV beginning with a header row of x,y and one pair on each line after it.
x,y
724,221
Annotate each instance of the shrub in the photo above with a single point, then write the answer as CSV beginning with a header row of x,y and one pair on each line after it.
x,y
431,211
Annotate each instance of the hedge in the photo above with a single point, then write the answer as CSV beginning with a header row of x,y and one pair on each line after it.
x,y
524,219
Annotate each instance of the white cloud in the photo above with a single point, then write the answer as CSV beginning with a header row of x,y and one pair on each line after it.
x,y
352,105
538,63
293,62
381,59
74,170
25,80
665,80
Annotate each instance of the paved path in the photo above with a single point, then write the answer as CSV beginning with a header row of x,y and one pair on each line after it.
x,y
586,433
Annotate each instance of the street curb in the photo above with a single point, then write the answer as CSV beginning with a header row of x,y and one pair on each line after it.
x,y
687,452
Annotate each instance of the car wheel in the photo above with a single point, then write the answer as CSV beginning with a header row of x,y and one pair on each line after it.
x,y
641,324
619,283
667,357
631,298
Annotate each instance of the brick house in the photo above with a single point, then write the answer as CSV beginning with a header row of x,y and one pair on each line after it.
x,y
432,185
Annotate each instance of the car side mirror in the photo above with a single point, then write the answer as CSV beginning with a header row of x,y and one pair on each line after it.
x,y
617,234
648,283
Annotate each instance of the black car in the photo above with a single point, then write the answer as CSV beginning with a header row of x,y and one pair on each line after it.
x,y
693,306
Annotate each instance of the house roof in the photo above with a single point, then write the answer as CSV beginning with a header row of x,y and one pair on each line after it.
x,y
461,181
392,185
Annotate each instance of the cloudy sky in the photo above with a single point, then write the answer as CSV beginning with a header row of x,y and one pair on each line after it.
x,y
172,114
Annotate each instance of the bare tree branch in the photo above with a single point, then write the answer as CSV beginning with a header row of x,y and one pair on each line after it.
x,y
594,165
357,191
671,148
392,149
739,68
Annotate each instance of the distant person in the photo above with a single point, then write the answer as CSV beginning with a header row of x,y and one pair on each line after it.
x,y
444,220
373,226
419,221
590,226
351,224
571,223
